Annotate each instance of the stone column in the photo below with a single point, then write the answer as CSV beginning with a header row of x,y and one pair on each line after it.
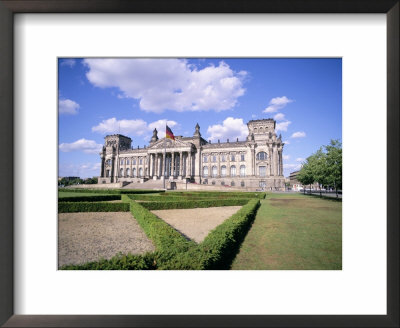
x,y
102,174
124,167
137,166
276,161
271,172
130,166
190,164
219,166
228,165
180,174
253,160
163,165
281,162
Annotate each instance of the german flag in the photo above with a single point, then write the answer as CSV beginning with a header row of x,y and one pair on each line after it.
x,y
168,133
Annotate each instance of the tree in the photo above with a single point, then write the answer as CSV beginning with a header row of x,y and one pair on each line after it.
x,y
319,168
305,176
334,164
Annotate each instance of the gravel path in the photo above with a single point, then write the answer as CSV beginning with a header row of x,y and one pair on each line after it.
x,y
196,223
85,237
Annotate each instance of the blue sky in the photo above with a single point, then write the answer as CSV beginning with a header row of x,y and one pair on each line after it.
x,y
133,96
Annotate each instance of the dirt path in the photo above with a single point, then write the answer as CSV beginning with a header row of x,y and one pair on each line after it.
x,y
196,223
84,237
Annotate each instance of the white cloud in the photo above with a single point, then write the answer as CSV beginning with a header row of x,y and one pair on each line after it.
x,y
282,126
87,146
68,62
174,84
286,156
231,128
253,116
112,125
286,142
133,127
299,134
293,167
67,106
160,126
300,159
277,103
279,117
84,170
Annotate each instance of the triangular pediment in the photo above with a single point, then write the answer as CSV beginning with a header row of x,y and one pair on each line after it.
x,y
169,144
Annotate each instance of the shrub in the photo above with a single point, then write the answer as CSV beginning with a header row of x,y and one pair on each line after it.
x,y
194,204
95,198
118,262
113,191
219,248
71,207
166,239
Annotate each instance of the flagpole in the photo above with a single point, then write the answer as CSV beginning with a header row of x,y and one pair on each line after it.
x,y
165,150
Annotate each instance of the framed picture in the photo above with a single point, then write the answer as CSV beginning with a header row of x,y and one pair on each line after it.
x,y
239,298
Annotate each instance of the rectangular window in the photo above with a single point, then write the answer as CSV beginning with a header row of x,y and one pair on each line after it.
x,y
140,161
242,157
205,159
232,158
263,171
214,159
223,158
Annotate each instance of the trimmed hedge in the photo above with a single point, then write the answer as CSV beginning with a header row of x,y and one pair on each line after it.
x,y
213,194
220,247
166,239
194,204
96,198
113,191
118,262
72,207
173,251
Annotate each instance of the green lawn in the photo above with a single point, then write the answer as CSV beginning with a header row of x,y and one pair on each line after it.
x,y
293,232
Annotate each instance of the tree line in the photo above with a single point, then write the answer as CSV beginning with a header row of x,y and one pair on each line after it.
x,y
69,182
323,167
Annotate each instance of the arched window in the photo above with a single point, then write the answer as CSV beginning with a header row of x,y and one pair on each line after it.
x,y
260,130
242,170
223,171
262,156
233,171
205,171
255,130
134,172
121,172
140,172
128,172
214,171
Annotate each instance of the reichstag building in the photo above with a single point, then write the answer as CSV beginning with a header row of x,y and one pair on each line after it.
x,y
253,164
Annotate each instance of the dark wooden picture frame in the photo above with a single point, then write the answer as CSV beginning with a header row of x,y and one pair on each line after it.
x,y
7,10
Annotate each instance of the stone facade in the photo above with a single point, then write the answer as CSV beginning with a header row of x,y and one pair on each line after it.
x,y
253,164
